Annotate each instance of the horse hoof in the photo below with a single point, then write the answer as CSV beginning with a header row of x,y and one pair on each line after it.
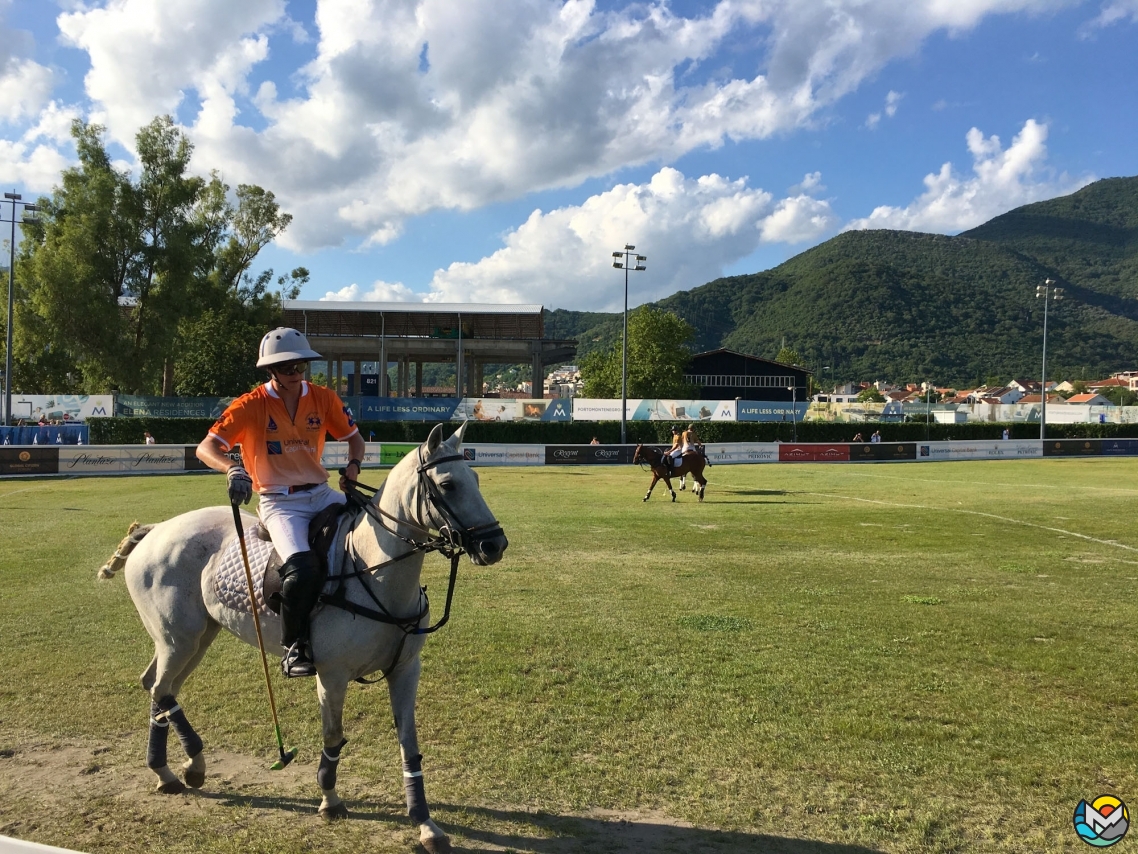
x,y
195,779
673,497
436,845
334,813
645,498
174,787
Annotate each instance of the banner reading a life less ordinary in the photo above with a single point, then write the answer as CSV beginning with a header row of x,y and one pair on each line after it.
x,y
644,409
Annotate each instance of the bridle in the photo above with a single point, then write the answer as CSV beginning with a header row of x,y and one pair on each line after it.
x,y
454,539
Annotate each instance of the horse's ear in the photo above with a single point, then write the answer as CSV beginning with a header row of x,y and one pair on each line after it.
x,y
455,441
435,439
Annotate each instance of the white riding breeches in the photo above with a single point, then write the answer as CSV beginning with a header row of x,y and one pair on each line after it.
x,y
286,517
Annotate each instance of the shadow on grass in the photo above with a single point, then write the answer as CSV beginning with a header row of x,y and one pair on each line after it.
x,y
754,492
548,833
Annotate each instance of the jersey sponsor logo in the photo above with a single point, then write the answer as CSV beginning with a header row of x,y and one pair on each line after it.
x,y
348,415
313,421
272,428
274,447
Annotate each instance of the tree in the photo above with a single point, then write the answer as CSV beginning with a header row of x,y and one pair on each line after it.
x,y
788,356
122,277
658,351
870,395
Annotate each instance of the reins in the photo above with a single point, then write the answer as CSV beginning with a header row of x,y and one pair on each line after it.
x,y
453,541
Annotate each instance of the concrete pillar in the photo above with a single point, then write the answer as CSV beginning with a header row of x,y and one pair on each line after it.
x,y
418,379
538,375
381,368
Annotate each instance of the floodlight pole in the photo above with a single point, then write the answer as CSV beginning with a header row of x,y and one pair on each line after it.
x,y
626,264
794,409
11,198
1048,293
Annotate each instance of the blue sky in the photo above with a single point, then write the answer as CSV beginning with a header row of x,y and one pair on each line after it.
x,y
499,150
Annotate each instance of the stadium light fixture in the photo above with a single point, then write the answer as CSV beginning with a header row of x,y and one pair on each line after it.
x,y
1048,292
629,261
14,199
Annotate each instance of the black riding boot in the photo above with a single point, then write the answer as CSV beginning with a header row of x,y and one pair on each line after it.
x,y
300,586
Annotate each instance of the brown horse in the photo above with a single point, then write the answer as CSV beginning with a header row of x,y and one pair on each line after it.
x,y
690,463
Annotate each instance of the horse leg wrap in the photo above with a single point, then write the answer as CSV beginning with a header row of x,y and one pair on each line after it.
x,y
329,763
156,744
416,794
163,713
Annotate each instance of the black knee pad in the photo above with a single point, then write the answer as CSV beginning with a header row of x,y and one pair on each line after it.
x,y
301,581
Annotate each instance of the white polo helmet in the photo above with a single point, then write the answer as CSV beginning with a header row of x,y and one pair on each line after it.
x,y
284,345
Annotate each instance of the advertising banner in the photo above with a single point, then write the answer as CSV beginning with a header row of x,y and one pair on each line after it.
x,y
558,409
336,456
60,407
682,410
48,434
770,410
392,452
1120,447
504,455
741,452
882,451
601,409
29,460
406,408
813,453
996,449
588,455
1072,447
121,459
486,409
142,406
191,462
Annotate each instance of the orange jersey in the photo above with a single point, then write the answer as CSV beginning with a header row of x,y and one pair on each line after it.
x,y
279,452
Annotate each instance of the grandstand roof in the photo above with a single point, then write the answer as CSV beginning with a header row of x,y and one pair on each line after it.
x,y
331,318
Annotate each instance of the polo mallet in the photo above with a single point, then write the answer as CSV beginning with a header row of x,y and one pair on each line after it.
x,y
289,755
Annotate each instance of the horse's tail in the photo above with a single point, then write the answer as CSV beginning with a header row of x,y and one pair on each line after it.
x,y
134,535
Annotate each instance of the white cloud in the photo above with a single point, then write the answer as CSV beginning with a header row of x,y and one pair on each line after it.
x,y
891,101
1001,179
1113,12
516,96
380,292
690,229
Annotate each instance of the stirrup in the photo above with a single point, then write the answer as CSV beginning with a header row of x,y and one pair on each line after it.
x,y
297,662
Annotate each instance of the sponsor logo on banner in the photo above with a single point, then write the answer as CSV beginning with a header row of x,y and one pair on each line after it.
x,y
770,410
1120,447
881,451
600,409
683,410
1072,448
792,453
392,452
578,455
29,460
407,408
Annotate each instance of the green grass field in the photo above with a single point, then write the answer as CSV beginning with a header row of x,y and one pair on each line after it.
x,y
901,658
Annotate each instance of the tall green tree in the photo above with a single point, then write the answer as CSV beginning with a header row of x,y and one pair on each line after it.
x,y
658,350
120,274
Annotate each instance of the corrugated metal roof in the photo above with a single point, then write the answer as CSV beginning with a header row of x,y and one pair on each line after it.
x,y
409,307
334,318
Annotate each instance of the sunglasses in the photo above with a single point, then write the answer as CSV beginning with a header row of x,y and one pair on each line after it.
x,y
290,369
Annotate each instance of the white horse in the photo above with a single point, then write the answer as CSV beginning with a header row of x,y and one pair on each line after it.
x,y
379,624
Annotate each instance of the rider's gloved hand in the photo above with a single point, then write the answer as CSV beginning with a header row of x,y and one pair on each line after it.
x,y
350,472
240,484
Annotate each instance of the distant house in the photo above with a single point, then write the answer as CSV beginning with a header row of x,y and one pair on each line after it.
x,y
1089,399
1113,382
1052,399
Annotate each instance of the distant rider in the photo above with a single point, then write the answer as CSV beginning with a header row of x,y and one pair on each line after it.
x,y
673,454
280,427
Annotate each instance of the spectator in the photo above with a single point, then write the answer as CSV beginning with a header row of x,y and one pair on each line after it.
x,y
1007,433
595,441
149,438
857,438
876,437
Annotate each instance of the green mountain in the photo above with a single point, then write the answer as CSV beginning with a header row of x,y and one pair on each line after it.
x,y
906,306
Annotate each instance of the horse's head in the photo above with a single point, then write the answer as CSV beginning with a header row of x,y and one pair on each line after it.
x,y
649,455
440,490
636,454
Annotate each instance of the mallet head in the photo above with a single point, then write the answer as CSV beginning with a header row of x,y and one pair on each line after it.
x,y
286,757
